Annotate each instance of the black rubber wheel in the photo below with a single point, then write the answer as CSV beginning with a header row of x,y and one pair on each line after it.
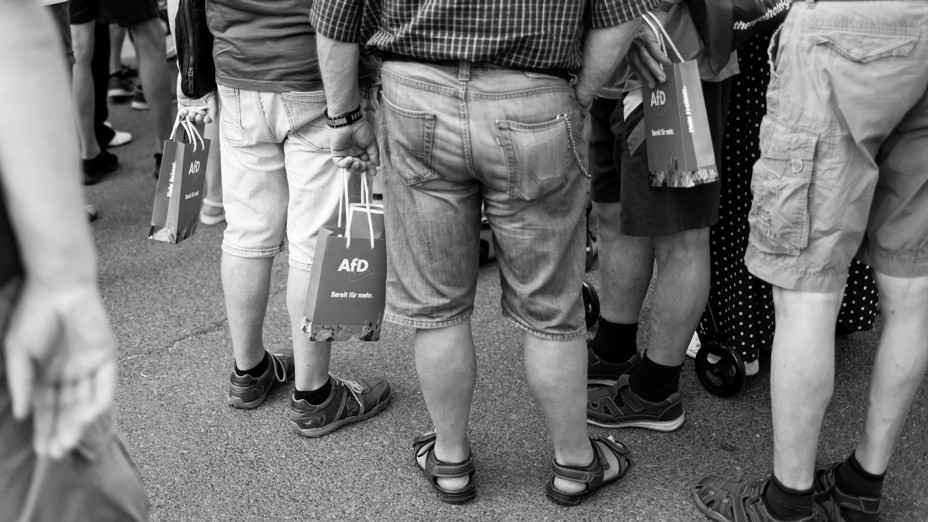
x,y
720,369
590,304
592,254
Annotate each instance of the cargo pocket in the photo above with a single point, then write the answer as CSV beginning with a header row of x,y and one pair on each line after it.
x,y
863,46
538,155
412,134
779,216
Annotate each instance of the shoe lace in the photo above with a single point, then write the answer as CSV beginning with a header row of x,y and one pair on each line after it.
x,y
280,368
355,388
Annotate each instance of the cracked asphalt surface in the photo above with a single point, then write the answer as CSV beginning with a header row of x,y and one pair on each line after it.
x,y
202,460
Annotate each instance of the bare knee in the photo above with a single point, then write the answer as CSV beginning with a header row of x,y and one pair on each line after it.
x,y
686,245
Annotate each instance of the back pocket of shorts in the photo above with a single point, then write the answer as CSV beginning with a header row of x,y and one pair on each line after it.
x,y
779,215
411,134
538,155
863,46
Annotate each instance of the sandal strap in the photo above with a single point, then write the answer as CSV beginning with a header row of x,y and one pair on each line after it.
x,y
824,481
593,474
436,469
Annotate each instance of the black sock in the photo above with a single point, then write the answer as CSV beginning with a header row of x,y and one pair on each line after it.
x,y
854,480
787,503
315,397
615,342
258,370
654,382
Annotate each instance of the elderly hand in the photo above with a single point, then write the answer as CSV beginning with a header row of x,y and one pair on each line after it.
x,y
646,57
199,110
354,148
60,363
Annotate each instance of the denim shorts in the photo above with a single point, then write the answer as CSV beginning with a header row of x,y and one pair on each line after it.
x,y
278,180
844,146
460,138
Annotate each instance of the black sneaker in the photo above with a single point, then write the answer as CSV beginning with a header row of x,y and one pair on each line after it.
x,y
839,505
96,168
617,406
349,402
602,373
120,85
138,100
247,392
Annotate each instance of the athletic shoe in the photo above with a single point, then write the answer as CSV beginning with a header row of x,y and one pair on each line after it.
x,y
211,212
96,168
727,500
693,348
138,100
349,402
120,85
839,505
247,392
617,406
602,373
119,138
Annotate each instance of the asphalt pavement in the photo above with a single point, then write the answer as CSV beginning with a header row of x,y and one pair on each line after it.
x,y
202,460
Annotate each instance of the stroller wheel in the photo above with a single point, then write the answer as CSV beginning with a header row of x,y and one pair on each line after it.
x,y
592,253
590,304
720,369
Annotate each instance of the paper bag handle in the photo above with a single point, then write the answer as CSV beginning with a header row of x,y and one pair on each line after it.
x,y
661,34
191,130
365,198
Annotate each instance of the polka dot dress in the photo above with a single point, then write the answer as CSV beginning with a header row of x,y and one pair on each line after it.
x,y
740,309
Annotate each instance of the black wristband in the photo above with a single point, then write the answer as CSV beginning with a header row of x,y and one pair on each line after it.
x,y
344,120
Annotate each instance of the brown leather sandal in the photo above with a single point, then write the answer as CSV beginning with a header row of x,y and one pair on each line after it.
x,y
592,475
435,469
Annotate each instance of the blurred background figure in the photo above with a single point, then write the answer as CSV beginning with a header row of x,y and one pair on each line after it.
x,y
61,458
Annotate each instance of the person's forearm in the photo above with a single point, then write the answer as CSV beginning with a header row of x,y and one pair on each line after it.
x,y
603,49
39,160
338,62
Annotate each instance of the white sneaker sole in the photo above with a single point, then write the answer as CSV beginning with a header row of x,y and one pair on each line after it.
x,y
663,426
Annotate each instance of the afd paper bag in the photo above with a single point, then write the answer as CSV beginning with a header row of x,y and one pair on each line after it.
x,y
347,287
679,144
180,186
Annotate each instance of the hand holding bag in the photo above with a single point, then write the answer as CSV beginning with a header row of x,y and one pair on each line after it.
x,y
180,186
347,286
680,152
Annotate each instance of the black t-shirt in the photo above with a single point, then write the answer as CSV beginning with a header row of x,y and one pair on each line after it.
x,y
10,263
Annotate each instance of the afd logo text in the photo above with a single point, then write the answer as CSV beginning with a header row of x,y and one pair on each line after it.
x,y
354,265
658,98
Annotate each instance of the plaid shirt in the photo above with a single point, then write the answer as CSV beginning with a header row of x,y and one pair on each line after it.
x,y
519,34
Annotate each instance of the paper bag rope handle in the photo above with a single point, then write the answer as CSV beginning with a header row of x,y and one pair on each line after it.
x,y
191,129
365,198
661,34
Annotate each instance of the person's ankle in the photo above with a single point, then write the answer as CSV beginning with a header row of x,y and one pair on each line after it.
x,y
787,503
852,479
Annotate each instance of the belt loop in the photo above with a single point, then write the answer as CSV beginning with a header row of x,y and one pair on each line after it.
x,y
464,71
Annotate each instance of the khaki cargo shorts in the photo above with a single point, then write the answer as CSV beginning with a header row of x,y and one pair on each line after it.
x,y
844,146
